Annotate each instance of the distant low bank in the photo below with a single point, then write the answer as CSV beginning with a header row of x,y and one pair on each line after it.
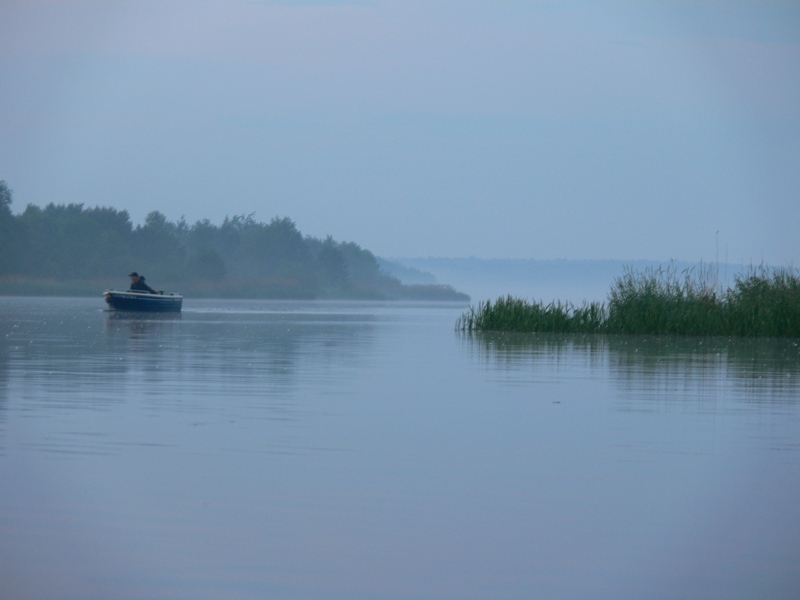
x,y
253,289
575,281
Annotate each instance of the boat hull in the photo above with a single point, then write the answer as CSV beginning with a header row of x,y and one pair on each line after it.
x,y
143,301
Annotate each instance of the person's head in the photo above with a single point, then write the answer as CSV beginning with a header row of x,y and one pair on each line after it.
x,y
134,276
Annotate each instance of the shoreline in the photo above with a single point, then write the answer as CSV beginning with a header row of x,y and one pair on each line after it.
x,y
263,290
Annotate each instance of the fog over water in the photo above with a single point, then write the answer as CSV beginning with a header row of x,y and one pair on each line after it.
x,y
563,281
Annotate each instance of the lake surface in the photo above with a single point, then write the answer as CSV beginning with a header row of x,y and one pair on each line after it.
x,y
256,449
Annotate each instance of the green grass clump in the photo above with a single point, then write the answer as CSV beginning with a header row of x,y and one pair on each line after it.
x,y
765,306
515,314
663,302
763,302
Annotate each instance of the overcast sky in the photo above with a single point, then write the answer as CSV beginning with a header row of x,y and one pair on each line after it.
x,y
502,128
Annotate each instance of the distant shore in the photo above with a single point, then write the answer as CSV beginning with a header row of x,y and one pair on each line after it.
x,y
265,289
570,280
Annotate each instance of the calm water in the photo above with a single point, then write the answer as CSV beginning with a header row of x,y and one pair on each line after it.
x,y
250,450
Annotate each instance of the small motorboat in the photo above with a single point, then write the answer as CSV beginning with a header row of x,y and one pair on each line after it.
x,y
143,301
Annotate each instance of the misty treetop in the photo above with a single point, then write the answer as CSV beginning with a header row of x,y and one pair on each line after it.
x,y
70,241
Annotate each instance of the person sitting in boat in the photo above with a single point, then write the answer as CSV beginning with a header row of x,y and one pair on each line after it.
x,y
138,284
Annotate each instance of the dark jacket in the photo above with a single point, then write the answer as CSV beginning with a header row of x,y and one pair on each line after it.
x,y
141,286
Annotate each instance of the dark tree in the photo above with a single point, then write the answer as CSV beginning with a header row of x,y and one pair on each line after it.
x,y
9,231
158,249
6,196
332,265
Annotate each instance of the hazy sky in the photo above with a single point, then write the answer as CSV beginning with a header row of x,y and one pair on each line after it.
x,y
498,128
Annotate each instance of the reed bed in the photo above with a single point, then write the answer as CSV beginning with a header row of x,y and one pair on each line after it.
x,y
763,302
515,314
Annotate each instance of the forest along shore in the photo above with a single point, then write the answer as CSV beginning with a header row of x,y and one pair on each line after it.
x,y
70,250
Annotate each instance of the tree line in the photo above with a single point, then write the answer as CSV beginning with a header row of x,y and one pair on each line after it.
x,y
240,257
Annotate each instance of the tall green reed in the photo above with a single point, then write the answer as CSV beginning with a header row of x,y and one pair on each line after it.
x,y
663,301
765,303
516,314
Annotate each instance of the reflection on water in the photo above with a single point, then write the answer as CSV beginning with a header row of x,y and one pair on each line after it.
x,y
252,449
201,351
760,369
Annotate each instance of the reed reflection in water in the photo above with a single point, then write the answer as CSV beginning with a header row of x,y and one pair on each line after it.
x,y
363,450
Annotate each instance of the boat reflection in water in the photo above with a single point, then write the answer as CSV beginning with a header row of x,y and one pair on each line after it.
x,y
140,324
143,301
